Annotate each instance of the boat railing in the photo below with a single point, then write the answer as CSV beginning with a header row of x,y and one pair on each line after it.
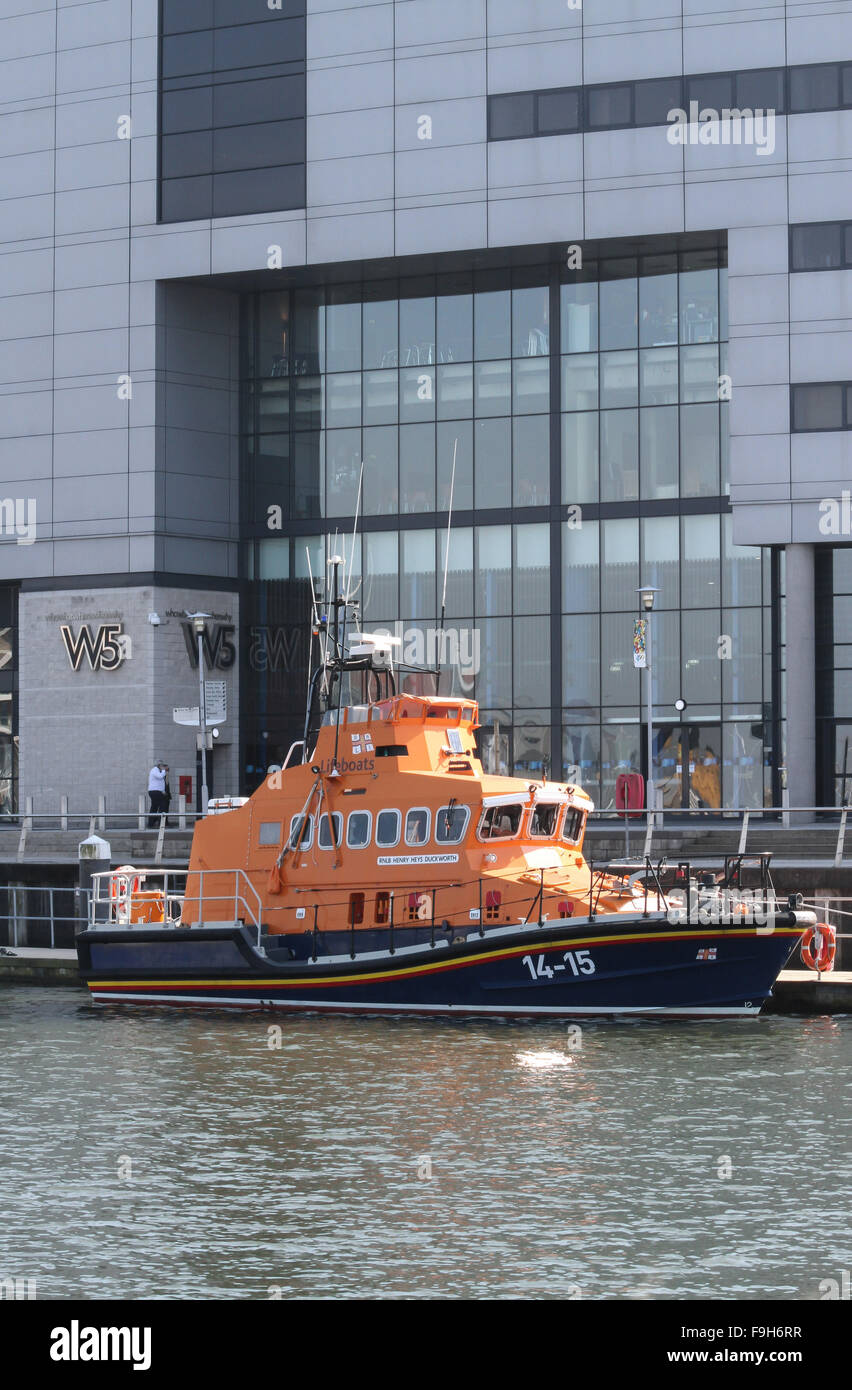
x,y
131,897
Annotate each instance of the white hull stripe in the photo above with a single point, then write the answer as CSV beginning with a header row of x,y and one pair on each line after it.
x,y
314,1006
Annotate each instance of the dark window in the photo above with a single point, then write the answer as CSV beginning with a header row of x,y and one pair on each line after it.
x,y
713,91
847,244
763,88
259,190
256,146
187,200
238,12
356,909
558,112
610,106
511,117
818,407
815,88
654,100
249,45
180,15
184,156
387,829
188,110
846,85
244,103
816,246
187,53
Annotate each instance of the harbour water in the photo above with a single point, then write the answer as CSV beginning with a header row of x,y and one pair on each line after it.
x,y
168,1155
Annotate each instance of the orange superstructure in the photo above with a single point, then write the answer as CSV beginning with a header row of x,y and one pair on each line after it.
x,y
393,821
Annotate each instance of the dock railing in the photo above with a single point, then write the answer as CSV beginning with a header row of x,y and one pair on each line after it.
x,y
641,827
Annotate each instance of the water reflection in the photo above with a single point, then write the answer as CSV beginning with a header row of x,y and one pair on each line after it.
x,y
380,1158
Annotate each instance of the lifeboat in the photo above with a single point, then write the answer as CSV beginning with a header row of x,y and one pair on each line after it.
x,y
383,870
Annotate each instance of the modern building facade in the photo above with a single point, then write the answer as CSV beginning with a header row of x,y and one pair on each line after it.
x,y
285,281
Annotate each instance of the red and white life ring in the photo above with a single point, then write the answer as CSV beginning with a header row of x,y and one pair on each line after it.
x,y
819,947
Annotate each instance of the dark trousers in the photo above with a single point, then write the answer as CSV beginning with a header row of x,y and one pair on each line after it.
x,y
158,807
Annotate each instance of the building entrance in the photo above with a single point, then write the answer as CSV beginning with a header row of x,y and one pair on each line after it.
x,y
689,765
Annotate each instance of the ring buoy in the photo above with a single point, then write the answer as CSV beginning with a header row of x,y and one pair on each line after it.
x,y
819,947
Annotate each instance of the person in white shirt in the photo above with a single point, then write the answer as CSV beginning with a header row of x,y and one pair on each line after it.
x,y
156,792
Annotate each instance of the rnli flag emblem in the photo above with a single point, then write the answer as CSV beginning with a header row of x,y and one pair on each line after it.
x,y
706,953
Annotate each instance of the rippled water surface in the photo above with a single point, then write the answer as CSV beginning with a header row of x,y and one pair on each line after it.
x,y
303,1170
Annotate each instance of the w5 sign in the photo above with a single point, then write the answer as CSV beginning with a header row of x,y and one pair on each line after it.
x,y
105,648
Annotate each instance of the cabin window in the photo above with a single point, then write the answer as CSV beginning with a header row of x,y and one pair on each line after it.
x,y
356,909
388,826
454,740
543,819
500,822
445,714
325,831
358,829
572,829
301,832
417,826
451,824
382,909
270,832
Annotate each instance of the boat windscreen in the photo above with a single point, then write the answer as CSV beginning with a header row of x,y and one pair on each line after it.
x,y
500,822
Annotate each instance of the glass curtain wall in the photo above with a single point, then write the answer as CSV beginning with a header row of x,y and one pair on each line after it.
x,y
8,702
578,421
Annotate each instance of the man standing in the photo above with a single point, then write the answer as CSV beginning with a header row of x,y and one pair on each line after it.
x,y
156,792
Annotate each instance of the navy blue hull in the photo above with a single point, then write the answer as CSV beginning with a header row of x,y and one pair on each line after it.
x,y
606,967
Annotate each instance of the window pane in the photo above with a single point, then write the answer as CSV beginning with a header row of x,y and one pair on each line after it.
x,y
358,829
699,373
657,310
343,466
380,398
531,460
581,666
387,828
580,567
188,110
658,451
530,385
493,463
742,675
459,570
580,382
186,200
187,53
818,407
815,88
417,468
619,313
263,99
343,333
493,572
658,376
380,578
450,824
381,486
259,190
661,560
580,457
620,565
492,324
532,568
455,391
846,85
762,89
417,332
701,681
700,573
619,455
455,327
186,155
417,580
494,681
342,399
619,379
417,826
417,394
511,116
741,580
530,326
817,247
380,333
654,100
493,383
699,306
580,317
714,92
699,450
455,437
531,638
609,106
558,112
619,677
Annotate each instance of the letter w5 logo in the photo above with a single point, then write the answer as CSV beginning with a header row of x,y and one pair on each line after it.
x,y
218,644
105,650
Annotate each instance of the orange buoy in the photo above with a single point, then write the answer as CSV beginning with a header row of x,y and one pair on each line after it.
x,y
819,947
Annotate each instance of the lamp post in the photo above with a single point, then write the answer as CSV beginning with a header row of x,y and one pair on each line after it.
x,y
198,622
647,595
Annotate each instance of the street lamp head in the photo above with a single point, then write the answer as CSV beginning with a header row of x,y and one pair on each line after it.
x,y
198,620
647,593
